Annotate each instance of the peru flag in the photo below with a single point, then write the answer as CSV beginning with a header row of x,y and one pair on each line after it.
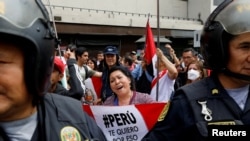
x,y
150,51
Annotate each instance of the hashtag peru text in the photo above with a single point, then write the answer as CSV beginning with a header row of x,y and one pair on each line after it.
x,y
125,123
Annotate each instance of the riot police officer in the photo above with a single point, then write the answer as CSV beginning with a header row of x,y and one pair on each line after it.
x,y
223,97
27,111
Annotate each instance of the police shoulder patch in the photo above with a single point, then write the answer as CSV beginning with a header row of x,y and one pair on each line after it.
x,y
70,133
164,112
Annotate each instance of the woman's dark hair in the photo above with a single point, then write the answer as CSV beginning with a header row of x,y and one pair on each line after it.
x,y
126,72
94,62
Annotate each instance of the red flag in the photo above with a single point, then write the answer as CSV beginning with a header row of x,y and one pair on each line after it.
x,y
150,49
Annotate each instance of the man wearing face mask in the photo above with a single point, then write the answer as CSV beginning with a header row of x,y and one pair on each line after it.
x,y
221,98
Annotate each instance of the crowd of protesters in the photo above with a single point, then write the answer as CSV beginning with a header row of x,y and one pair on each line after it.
x,y
93,77
43,94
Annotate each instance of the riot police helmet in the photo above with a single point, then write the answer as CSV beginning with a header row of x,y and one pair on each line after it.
x,y
229,19
27,24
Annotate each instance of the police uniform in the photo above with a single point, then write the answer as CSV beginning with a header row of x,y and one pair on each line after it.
x,y
56,122
59,118
186,121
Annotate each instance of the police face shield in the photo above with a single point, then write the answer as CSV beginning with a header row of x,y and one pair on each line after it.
x,y
235,18
18,13
27,22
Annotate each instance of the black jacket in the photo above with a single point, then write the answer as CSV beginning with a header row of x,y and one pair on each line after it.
x,y
76,90
59,112
60,117
184,120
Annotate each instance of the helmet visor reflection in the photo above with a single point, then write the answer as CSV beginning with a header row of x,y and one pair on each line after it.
x,y
235,18
20,13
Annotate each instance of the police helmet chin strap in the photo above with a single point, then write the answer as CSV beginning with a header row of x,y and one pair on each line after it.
x,y
3,135
41,121
41,108
236,75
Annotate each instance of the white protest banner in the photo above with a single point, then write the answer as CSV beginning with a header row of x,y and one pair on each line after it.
x,y
125,123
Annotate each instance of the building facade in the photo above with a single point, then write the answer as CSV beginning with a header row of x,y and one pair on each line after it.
x,y
98,23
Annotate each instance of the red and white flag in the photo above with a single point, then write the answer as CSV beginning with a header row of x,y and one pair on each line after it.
x,y
131,122
150,50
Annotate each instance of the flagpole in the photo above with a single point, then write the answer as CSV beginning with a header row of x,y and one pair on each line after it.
x,y
158,46
64,80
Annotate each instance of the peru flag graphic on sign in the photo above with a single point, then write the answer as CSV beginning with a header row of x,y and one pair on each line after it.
x,y
131,122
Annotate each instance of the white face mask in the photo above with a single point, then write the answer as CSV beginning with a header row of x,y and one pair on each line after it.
x,y
193,74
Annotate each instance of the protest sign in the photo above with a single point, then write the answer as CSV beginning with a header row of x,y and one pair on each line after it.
x,y
125,123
